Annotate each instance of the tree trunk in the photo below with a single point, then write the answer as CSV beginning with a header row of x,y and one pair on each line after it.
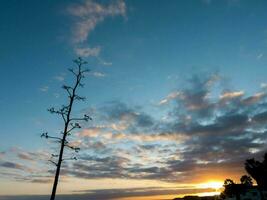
x,y
54,190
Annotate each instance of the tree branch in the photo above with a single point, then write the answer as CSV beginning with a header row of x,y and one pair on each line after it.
x,y
45,135
85,118
79,98
73,158
53,162
76,149
68,89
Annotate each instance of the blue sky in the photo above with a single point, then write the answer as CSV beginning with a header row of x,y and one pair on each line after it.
x,y
140,53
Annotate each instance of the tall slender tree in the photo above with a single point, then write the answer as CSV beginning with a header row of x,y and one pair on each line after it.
x,y
70,123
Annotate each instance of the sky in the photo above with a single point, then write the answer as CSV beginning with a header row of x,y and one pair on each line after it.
x,y
176,90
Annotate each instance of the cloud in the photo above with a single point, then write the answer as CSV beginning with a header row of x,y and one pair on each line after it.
x,y
87,15
170,97
13,165
263,85
44,89
90,13
260,117
196,97
31,156
120,112
60,77
25,156
222,125
254,98
209,131
259,56
103,62
98,74
90,132
100,167
86,52
231,95
202,135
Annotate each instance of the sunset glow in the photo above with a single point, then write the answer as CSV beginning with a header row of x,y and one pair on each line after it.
x,y
131,99
212,184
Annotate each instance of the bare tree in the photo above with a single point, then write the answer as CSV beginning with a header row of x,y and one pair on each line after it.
x,y
70,123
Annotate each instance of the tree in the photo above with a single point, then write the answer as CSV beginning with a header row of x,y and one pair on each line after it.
x,y
70,123
231,189
246,180
228,188
258,171
228,182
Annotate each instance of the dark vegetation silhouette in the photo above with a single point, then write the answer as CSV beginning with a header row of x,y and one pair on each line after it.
x,y
246,180
258,171
70,123
231,189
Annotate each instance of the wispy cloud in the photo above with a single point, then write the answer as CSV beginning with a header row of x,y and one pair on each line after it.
x,y
259,56
103,62
86,52
170,97
231,95
87,15
60,77
98,74
44,88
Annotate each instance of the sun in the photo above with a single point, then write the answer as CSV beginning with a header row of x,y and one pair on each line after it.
x,y
212,184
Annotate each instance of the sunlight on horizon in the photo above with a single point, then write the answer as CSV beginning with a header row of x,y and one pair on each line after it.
x,y
211,184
